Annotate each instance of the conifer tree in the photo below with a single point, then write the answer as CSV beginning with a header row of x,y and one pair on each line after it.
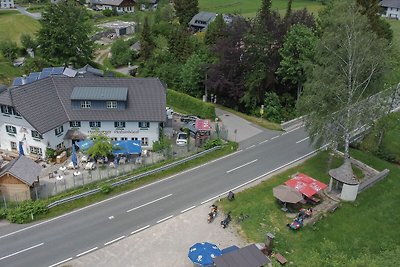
x,y
185,10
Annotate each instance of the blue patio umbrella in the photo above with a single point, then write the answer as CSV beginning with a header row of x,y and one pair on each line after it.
x,y
21,149
85,144
74,159
204,253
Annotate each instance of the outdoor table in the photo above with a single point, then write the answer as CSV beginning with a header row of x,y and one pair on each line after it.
x,y
77,173
60,178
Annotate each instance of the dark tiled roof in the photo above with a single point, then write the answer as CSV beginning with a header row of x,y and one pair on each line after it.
x,y
100,93
40,104
206,17
46,103
390,3
5,98
249,256
107,2
23,168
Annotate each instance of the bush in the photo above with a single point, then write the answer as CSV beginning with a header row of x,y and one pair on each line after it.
x,y
109,12
26,209
190,104
212,143
50,153
106,188
3,213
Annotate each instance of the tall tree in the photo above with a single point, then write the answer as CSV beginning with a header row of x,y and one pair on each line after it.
x,y
215,31
349,60
146,40
185,10
65,34
372,10
298,48
262,57
180,44
226,78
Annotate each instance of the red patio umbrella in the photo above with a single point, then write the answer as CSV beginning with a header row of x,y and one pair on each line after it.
x,y
306,185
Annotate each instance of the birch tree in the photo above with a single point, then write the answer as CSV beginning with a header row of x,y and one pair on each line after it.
x,y
349,62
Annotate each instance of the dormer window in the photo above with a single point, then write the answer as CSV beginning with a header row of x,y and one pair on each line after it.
x,y
119,124
59,130
111,104
86,104
144,124
37,135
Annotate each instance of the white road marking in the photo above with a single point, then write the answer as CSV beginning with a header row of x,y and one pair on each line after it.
x,y
294,129
241,166
166,218
60,262
251,147
304,139
86,252
140,229
111,217
120,195
18,252
263,142
115,240
265,174
274,137
151,202
185,210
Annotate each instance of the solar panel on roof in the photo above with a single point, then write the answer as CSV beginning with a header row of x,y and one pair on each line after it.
x,y
44,75
17,81
31,79
57,71
34,74
47,69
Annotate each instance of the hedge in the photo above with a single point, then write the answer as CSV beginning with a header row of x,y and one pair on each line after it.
x,y
190,104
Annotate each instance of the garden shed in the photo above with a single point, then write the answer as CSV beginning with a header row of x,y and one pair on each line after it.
x,y
343,179
18,177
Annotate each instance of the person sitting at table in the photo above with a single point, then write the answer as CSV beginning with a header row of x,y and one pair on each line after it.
x,y
308,212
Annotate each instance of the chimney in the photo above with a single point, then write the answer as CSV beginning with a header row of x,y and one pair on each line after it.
x,y
24,79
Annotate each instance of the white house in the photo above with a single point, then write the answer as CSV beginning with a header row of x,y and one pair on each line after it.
x,y
4,4
119,5
56,111
391,8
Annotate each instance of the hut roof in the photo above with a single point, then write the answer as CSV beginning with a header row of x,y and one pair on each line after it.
x,y
344,174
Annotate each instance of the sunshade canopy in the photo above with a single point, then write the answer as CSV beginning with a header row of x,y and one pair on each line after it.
x,y
306,185
287,194
203,125
204,253
127,147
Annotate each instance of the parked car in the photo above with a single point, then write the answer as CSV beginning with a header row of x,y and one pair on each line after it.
x,y
188,118
90,166
181,139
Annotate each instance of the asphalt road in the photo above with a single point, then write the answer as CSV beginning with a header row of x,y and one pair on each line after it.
x,y
58,240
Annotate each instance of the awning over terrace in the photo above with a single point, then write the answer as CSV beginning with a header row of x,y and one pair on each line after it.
x,y
306,185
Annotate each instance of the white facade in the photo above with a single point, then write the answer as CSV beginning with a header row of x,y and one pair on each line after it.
x,y
349,192
36,146
392,13
4,4
127,9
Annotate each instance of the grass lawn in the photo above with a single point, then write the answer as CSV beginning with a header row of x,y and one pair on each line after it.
x,y
13,25
8,71
361,233
248,8
390,142
259,121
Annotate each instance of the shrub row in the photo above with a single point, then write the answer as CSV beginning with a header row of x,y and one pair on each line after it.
x,y
190,104
24,212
